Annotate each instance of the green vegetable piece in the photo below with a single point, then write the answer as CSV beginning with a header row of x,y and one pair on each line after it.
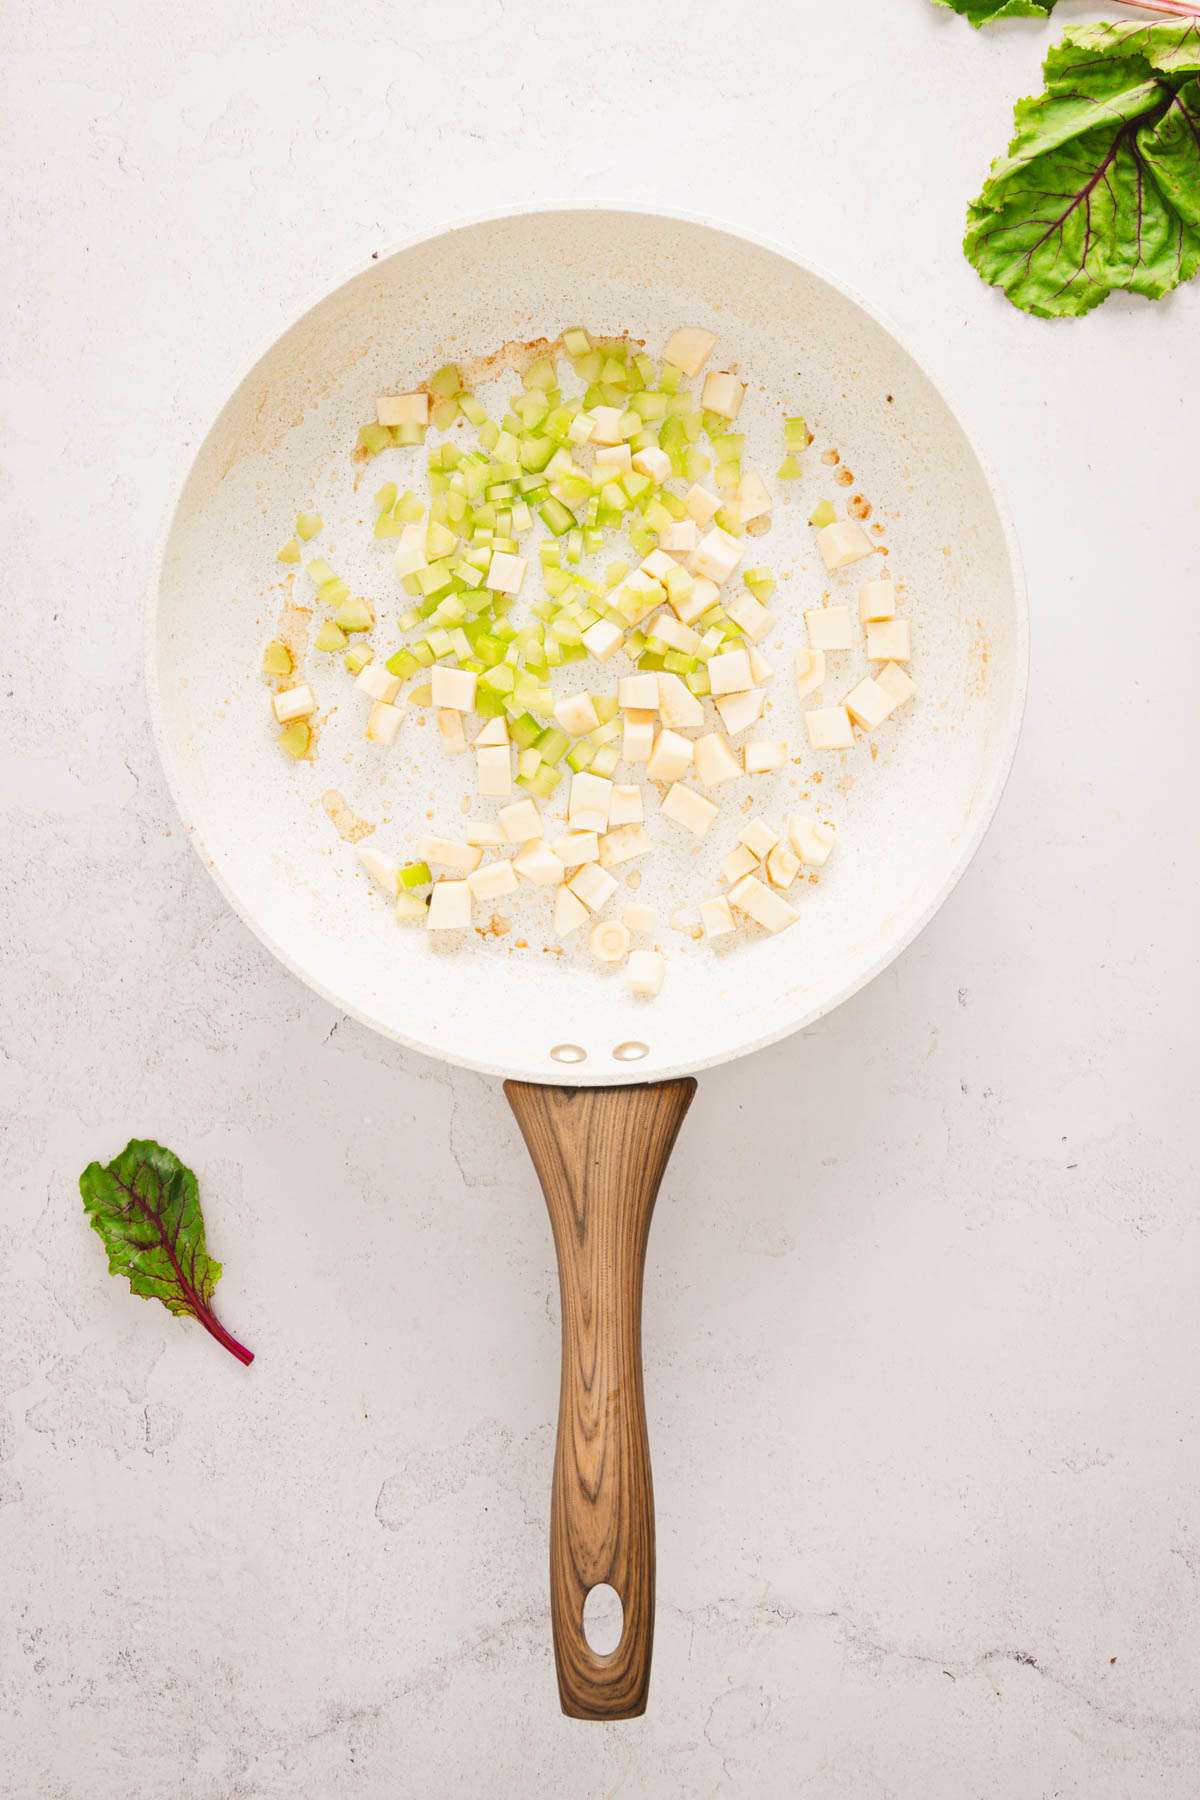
x,y
385,497
443,413
789,469
556,516
552,744
308,525
576,341
374,438
355,614
277,659
415,875
1100,189
541,374
357,658
329,637
290,552
402,664
543,782
823,513
318,570
795,433
983,12
145,1208
295,739
445,382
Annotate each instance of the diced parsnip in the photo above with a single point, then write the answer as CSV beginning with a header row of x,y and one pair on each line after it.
x,y
654,463
384,870
639,917
581,429
576,848
493,881
377,684
716,916
689,809
450,731
752,616
868,704
569,912
402,409
494,732
877,600
717,555
829,628
454,688
722,393
701,505
625,807
294,703
593,885
576,713
678,707
449,906
760,668
811,839
783,866
765,756
520,822
608,940
756,900
715,761
411,553
606,424
896,683
670,757
739,862
637,597
411,909
759,838
494,770
623,844
602,639
538,864
729,673
810,671
679,539
451,854
589,801
842,543
505,573
889,640
740,711
676,636
638,693
611,461
752,497
829,728
384,722
645,971
637,738
689,348
658,565
483,833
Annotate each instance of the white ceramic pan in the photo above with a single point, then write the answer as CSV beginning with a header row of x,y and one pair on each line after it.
x,y
908,819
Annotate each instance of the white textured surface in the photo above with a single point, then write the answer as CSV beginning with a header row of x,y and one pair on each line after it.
x,y
921,1312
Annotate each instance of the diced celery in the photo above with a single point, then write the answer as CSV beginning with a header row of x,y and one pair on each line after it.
x,y
355,614
678,662
385,497
605,760
332,593
606,707
525,730
698,681
552,744
374,438
573,653
528,762
670,379
408,435
290,552
541,374
489,704
556,516
823,513
648,660
472,409
730,520
318,570
277,659
795,433
761,583
445,382
580,757
727,476
403,664
423,654
443,413
695,464
330,637
535,453
387,525
356,658
789,469
295,738
576,341
308,525
415,875
544,782
500,679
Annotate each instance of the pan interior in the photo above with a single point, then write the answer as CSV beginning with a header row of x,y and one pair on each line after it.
x,y
514,999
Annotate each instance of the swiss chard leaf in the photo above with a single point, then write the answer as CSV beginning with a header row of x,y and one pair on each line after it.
x,y
982,12
1100,188
145,1206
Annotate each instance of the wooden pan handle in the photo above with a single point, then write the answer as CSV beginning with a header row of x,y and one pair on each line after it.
x,y
600,1154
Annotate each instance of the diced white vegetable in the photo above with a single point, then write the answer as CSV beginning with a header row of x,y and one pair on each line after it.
x,y
670,756
606,421
625,807
729,673
680,538
752,616
602,638
739,711
717,555
608,940
676,636
677,705
411,908
591,796
383,722
611,461
653,462
876,600
505,573
689,348
638,693
450,731
701,505
896,683
811,840
449,906
593,885
759,838
752,498
829,728
689,809
783,866
690,607
451,854
623,844
829,628
842,543
760,668
537,863
580,429
645,971
576,713
294,703
868,704
520,822
756,900
494,764
637,740
722,393
739,862
383,869
411,553
576,848
639,917
494,732
484,833
493,881
716,916
810,671
454,688
376,683
715,761
402,409
657,565
889,640
764,756
569,912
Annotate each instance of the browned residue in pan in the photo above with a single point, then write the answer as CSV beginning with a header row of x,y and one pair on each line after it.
x,y
344,819
831,457
861,507
845,477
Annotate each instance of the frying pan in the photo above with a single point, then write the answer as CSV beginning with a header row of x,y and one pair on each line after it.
x,y
599,1080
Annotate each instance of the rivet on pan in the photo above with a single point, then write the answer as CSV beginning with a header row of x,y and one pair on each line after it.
x,y
631,1052
569,1053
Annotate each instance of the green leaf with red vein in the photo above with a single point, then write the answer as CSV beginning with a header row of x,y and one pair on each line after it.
x,y
145,1206
1100,189
983,12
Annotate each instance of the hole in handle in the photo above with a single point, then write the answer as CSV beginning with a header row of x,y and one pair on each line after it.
x,y
603,1619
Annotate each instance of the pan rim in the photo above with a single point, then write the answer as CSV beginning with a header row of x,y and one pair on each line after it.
x,y
207,416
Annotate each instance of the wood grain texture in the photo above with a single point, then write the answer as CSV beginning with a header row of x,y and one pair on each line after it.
x,y
600,1154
